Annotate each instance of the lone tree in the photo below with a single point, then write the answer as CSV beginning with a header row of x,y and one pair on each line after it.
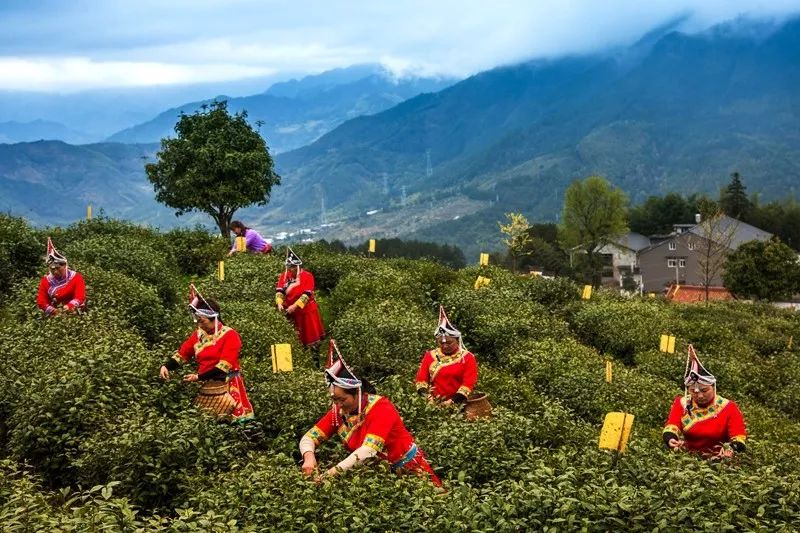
x,y
518,238
217,164
712,239
763,270
594,214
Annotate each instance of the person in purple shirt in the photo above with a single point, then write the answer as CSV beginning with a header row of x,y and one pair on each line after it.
x,y
254,242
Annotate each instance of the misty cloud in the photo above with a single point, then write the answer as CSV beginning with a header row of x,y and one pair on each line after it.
x,y
50,45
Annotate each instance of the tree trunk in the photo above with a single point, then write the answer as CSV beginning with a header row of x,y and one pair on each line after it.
x,y
223,221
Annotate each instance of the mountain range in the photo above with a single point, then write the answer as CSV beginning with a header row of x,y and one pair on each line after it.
x,y
673,112
297,112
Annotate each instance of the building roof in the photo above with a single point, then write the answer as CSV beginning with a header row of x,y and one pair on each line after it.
x,y
697,293
742,232
631,240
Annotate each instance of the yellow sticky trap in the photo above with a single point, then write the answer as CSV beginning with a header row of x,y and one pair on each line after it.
x,y
484,259
667,344
616,431
651,295
609,374
281,357
241,244
587,292
221,271
89,212
372,246
791,338
482,282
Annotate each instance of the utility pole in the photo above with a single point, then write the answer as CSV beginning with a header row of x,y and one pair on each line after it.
x,y
428,166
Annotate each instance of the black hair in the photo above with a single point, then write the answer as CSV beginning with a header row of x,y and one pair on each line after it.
x,y
238,224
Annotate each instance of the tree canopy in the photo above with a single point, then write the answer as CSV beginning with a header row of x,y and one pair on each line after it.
x,y
216,164
733,198
594,213
763,270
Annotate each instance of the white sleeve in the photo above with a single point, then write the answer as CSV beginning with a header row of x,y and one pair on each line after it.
x,y
361,454
306,445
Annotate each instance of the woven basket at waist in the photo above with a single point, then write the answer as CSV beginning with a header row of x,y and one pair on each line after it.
x,y
215,398
477,406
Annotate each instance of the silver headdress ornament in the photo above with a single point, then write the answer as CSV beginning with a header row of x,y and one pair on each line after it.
x,y
695,372
206,311
292,260
53,256
338,374
446,329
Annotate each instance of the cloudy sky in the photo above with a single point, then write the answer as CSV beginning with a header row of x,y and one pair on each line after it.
x,y
71,45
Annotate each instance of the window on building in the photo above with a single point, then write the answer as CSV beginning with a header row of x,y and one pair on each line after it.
x,y
672,245
691,246
671,262
681,263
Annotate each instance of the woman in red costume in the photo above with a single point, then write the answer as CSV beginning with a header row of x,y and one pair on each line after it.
x,y
447,373
702,421
294,295
369,426
215,347
62,289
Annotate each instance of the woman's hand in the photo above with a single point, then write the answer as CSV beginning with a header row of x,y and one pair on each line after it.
x,y
676,444
726,452
280,308
190,377
291,309
164,373
231,253
309,463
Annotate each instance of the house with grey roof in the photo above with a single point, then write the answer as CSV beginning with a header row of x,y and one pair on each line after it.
x,y
620,256
694,255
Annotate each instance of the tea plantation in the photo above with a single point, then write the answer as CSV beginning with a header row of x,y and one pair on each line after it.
x,y
91,439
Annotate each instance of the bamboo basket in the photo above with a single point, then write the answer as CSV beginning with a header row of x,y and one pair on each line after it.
x,y
477,406
215,399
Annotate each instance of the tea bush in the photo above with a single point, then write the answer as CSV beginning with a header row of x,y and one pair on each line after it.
x,y
389,338
21,252
130,257
196,251
91,438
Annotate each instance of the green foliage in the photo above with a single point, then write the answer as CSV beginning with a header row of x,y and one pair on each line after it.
x,y
20,252
196,251
593,213
216,164
384,337
445,254
130,256
91,438
763,270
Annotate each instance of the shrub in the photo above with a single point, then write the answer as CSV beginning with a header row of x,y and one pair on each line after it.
x,y
131,257
21,252
196,251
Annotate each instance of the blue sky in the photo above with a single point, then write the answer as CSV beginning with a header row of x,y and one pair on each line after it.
x,y
64,46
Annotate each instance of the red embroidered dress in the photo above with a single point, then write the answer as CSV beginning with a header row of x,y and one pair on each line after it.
x,y
221,352
380,427
306,317
705,429
448,375
69,291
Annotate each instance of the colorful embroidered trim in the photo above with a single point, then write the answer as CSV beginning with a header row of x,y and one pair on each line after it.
x,y
374,441
317,435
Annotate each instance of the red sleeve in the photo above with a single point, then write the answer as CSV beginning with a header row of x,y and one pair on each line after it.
x,y
186,351
378,424
42,299
674,419
323,429
79,292
229,351
470,372
424,373
736,427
